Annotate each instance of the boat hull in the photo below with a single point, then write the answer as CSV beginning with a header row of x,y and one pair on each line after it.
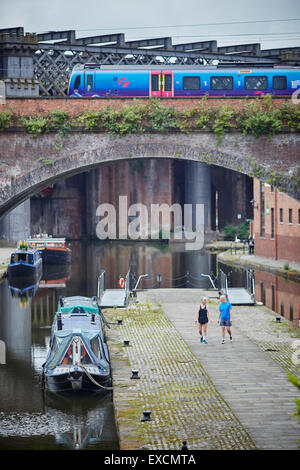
x,y
55,256
79,382
20,270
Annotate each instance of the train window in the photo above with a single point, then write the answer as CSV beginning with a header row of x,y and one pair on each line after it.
x,y
155,82
256,83
77,82
168,82
89,82
191,83
279,82
221,83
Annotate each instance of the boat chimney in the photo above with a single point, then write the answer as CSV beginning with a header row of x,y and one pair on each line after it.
x,y
59,321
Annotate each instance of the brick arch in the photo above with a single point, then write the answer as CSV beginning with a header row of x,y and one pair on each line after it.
x,y
28,165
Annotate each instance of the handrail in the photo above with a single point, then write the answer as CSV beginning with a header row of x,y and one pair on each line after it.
x,y
101,284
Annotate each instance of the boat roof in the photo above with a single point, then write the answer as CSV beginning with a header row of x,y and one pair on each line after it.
x,y
78,300
80,323
46,240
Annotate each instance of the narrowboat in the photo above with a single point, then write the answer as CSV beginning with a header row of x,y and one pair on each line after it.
x,y
53,250
78,358
25,262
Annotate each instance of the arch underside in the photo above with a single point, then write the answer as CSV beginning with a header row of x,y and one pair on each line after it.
x,y
38,163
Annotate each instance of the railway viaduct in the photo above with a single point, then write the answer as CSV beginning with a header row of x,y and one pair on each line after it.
x,y
27,164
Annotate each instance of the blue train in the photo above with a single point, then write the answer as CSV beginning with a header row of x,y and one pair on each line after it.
x,y
156,81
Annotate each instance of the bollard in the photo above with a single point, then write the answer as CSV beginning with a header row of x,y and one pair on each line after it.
x,y
184,446
126,342
146,416
278,319
135,374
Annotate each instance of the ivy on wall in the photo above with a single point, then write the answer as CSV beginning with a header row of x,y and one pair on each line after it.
x,y
257,118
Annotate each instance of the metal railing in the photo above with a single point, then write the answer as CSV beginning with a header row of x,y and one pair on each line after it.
x,y
223,283
101,284
249,281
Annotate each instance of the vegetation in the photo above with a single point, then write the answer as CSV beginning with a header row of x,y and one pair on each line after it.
x,y
5,119
296,382
258,117
231,232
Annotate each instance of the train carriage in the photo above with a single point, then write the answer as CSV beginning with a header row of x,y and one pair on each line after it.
x,y
130,81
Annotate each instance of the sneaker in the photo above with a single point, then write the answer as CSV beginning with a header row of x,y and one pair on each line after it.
x,y
201,340
230,338
204,341
223,341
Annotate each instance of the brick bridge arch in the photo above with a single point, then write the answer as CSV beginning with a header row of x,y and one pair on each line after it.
x,y
28,165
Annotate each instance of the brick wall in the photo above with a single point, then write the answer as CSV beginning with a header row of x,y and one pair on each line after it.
x,y
74,106
285,243
280,295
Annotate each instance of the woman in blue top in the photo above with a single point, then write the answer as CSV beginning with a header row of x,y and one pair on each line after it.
x,y
225,317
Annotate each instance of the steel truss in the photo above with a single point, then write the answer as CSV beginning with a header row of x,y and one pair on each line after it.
x,y
53,62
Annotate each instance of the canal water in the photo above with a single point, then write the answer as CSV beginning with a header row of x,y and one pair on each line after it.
x,y
33,419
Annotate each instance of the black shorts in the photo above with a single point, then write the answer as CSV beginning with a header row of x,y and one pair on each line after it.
x,y
202,319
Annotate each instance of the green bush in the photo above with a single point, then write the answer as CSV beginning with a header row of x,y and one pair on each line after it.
x,y
232,231
5,119
35,125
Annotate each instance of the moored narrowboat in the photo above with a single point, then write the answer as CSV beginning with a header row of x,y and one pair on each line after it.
x,y
25,262
53,250
78,358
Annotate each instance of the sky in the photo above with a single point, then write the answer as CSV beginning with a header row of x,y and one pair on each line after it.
x,y
248,21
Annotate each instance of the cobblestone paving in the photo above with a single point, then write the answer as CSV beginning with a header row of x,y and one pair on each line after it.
x,y
174,386
279,340
253,381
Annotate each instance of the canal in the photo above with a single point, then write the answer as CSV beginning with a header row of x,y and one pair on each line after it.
x,y
32,419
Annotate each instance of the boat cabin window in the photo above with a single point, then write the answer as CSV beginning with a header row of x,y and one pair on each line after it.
x,y
77,82
15,257
279,82
73,353
96,348
78,310
191,83
256,83
221,83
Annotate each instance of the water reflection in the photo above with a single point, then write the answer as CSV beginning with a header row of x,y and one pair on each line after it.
x,y
276,292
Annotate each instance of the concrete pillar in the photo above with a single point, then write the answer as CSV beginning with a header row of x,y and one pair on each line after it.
x,y
15,226
198,189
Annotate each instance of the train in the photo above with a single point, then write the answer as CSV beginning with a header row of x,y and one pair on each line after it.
x,y
178,81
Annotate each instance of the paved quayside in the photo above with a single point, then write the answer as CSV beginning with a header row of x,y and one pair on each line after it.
x,y
232,396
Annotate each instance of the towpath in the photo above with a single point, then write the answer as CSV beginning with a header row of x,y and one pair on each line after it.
x,y
215,396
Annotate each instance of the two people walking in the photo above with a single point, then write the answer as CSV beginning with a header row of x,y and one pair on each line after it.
x,y
203,316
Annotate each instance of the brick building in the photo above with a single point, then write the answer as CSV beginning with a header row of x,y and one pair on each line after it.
x,y
276,223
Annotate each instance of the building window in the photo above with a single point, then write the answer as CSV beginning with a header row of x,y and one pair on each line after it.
x,y
282,309
262,209
281,215
262,292
273,297
290,216
291,312
272,189
272,222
